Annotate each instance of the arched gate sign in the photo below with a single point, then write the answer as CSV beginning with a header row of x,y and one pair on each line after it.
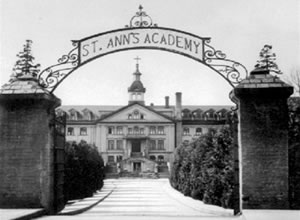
x,y
141,33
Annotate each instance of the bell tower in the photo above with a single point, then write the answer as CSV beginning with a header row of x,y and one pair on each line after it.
x,y
137,90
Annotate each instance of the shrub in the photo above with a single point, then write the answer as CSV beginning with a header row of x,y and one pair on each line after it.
x,y
203,169
84,170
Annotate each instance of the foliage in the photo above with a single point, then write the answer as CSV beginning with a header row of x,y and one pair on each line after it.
x,y
294,152
267,60
204,168
294,120
24,65
84,170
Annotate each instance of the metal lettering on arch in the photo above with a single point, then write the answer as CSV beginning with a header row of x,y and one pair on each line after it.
x,y
141,38
142,33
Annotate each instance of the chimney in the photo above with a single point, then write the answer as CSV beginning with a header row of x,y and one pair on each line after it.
x,y
167,102
178,107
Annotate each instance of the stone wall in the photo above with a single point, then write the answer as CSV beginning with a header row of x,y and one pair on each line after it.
x,y
263,138
26,149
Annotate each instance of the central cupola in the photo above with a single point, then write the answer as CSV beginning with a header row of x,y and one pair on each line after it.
x,y
137,90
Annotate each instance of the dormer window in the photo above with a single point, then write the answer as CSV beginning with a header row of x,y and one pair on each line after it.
x,y
87,115
73,116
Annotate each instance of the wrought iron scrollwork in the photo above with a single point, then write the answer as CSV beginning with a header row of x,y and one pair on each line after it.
x,y
53,75
141,19
232,71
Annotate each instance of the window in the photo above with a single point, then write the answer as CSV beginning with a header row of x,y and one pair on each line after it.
x,y
152,157
129,130
110,145
119,158
160,158
197,114
136,130
73,116
152,144
87,115
142,130
186,131
111,159
152,130
136,114
186,113
130,116
160,130
119,130
160,145
111,130
198,131
142,116
70,131
83,131
119,144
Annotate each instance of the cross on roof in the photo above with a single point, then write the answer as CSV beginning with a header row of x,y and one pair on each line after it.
x,y
137,59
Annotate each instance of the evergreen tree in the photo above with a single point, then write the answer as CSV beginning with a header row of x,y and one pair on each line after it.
x,y
267,60
25,65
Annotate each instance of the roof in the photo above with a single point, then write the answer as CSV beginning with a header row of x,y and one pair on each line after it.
x,y
137,86
136,103
103,111
110,108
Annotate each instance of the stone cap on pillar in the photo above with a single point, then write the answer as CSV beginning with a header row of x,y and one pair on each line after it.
x,y
262,82
26,87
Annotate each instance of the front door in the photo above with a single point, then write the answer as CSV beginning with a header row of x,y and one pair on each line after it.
x,y
137,167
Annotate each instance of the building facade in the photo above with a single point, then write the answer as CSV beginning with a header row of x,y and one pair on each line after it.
x,y
139,138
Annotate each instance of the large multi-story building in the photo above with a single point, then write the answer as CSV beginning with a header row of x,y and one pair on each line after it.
x,y
137,137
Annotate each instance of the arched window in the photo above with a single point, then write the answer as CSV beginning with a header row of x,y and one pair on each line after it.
x,y
130,116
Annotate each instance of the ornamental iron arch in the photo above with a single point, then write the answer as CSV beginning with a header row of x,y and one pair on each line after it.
x,y
142,33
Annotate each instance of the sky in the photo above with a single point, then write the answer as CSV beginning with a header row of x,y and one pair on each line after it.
x,y
240,28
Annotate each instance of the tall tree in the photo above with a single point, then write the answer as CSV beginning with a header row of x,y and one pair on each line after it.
x,y
25,64
267,60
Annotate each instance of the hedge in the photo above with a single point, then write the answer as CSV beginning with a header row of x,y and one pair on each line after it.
x,y
203,169
84,170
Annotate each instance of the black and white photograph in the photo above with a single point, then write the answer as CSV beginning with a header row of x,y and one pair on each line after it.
x,y
150,110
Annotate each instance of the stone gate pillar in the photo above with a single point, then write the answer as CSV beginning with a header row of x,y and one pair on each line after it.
x,y
26,145
263,140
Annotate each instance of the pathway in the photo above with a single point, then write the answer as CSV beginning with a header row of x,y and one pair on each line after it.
x,y
148,199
